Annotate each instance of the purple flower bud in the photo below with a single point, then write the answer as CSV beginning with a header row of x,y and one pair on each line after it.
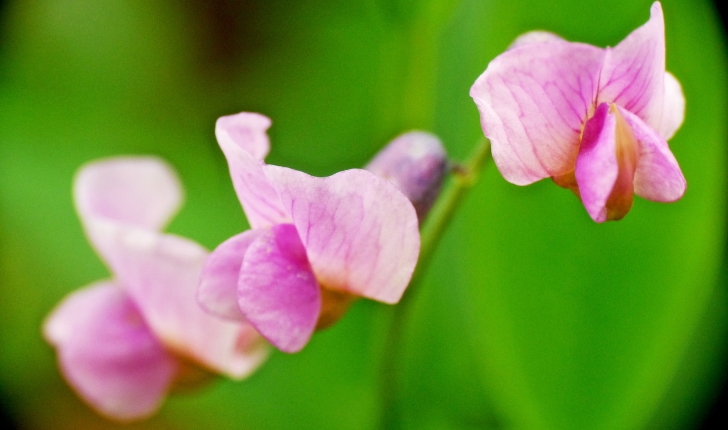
x,y
416,163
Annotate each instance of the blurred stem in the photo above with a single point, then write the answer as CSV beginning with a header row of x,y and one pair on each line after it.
x,y
410,54
463,177
423,48
417,97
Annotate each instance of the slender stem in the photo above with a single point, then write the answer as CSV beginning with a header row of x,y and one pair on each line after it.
x,y
463,177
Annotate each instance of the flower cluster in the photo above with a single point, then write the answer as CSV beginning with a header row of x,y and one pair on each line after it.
x,y
123,344
594,120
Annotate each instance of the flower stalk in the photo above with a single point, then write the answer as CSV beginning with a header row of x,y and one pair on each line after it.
x,y
463,177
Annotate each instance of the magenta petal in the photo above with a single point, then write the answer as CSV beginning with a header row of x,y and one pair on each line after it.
x,y
673,111
533,100
634,71
218,290
108,354
359,231
597,166
161,273
658,176
244,141
277,290
141,192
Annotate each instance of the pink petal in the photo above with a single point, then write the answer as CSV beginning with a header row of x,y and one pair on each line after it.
x,y
107,353
218,290
244,141
277,290
161,273
246,131
416,163
533,100
359,231
606,164
633,74
658,176
136,191
673,111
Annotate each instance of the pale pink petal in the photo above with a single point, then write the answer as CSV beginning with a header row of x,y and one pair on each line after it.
x,y
533,101
359,231
161,273
142,192
536,36
416,163
673,111
278,293
633,75
244,141
245,130
108,354
658,176
122,202
218,290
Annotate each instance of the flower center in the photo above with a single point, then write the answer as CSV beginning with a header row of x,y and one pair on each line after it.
x,y
334,305
622,196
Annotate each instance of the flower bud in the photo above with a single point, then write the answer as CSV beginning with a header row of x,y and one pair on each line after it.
x,y
416,163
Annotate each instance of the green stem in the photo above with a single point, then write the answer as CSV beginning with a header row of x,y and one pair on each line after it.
x,y
463,177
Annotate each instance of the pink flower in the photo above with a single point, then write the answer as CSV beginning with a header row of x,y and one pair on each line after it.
x,y
595,120
123,343
315,245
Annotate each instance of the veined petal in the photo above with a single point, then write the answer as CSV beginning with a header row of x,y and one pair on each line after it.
x,y
278,292
533,101
606,164
673,111
161,273
359,231
633,75
658,176
143,192
244,141
416,163
218,290
108,354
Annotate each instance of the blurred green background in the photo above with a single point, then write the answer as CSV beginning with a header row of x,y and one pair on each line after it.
x,y
531,316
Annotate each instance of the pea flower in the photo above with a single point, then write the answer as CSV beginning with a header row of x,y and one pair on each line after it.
x,y
595,120
315,245
124,343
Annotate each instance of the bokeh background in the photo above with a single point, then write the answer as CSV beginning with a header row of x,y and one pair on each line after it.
x,y
530,315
